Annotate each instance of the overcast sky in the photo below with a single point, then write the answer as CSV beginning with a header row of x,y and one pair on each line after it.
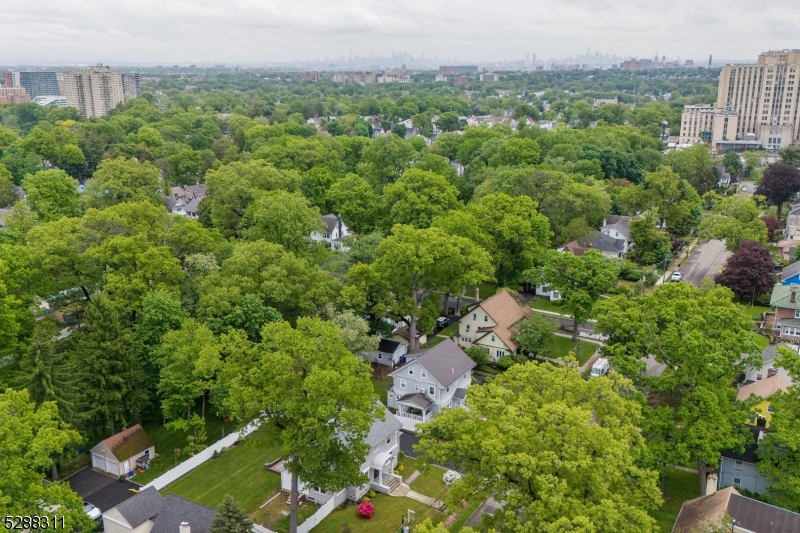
x,y
169,31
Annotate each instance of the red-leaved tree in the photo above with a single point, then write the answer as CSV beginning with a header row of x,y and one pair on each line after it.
x,y
780,184
773,225
749,272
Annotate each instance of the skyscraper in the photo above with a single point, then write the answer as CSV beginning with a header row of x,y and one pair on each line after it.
x,y
131,84
94,91
39,83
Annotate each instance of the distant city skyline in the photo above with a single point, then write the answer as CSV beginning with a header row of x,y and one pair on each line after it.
x,y
284,32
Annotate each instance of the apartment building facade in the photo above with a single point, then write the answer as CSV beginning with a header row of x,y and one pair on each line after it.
x,y
94,91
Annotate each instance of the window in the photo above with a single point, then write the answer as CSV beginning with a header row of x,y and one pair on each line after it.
x,y
474,316
737,482
411,371
416,387
500,353
379,356
492,338
424,373
486,319
758,376
738,465
467,327
797,313
389,440
402,384
448,389
431,391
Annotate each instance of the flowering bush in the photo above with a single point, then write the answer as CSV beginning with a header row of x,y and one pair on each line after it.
x,y
450,477
366,509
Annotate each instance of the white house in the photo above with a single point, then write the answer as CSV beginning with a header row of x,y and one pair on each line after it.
x,y
435,378
117,454
384,442
389,352
185,201
613,241
335,230
489,324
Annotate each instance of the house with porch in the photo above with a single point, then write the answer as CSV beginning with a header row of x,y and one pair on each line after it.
x,y
785,321
384,441
613,241
490,325
434,378
335,229
739,469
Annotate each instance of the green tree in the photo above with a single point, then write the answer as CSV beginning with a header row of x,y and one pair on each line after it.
x,y
43,374
385,159
355,200
117,180
281,217
790,155
652,244
30,437
704,339
230,518
448,121
517,151
249,315
413,262
354,331
536,335
517,234
52,194
8,193
533,436
735,219
307,383
580,280
417,197
733,163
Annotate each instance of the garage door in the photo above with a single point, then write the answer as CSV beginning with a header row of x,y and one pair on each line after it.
x,y
98,461
112,467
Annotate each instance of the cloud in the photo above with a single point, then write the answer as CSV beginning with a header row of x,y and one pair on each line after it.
x,y
269,30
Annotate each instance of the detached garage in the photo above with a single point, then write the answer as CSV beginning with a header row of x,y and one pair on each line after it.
x,y
117,454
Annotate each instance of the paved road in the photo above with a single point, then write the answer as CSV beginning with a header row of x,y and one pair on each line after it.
x,y
706,261
749,185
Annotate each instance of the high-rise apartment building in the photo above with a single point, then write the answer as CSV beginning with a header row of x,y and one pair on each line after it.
x,y
131,84
764,94
12,78
13,95
705,123
39,83
94,91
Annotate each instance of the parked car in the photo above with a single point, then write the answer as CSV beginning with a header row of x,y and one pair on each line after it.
x,y
676,276
442,321
599,368
91,511
744,189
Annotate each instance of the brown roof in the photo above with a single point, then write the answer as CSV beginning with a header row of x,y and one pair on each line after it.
x,y
128,442
704,512
403,332
575,248
763,388
505,312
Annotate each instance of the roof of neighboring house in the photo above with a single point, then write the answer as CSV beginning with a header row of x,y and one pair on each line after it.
x,y
505,312
446,362
128,442
782,297
170,202
750,515
177,191
620,223
142,507
790,270
166,513
4,212
383,429
787,243
574,248
763,388
331,221
388,346
403,333
177,510
750,447
196,191
609,244
768,356
193,204
418,399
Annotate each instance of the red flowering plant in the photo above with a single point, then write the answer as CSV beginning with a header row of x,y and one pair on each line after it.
x,y
366,509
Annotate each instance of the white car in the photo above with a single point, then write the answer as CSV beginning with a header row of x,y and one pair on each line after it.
x,y
676,276
744,189
92,512
441,321
600,368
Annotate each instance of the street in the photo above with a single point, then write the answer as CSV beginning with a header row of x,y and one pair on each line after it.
x,y
706,261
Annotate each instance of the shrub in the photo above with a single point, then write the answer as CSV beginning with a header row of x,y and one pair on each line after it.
x,y
450,477
371,494
401,468
629,270
396,472
365,499
478,354
505,362
215,454
400,455
224,449
366,509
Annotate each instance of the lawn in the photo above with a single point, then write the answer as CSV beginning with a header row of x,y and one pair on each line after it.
x,y
166,441
275,515
544,304
762,341
449,330
388,512
563,345
432,341
757,311
239,472
380,386
486,290
428,483
681,486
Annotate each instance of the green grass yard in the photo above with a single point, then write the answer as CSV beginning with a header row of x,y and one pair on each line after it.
x,y
380,386
563,345
428,482
681,486
166,441
239,472
388,511
543,304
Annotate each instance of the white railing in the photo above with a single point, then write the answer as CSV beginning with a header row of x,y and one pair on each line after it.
x,y
193,462
412,417
317,517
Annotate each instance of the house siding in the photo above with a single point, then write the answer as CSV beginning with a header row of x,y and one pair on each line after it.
x,y
466,337
441,397
750,478
496,347
390,359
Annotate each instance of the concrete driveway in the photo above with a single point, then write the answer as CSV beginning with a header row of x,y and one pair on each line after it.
x,y
101,490
706,261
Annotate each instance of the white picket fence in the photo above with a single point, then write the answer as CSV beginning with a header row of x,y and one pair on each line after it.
x,y
317,517
193,462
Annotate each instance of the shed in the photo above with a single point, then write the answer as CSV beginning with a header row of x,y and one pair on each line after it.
x,y
117,454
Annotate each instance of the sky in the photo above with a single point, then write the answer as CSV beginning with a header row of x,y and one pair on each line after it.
x,y
252,31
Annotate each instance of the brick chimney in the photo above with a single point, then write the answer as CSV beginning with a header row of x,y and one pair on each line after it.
x,y
793,297
184,528
772,372
478,294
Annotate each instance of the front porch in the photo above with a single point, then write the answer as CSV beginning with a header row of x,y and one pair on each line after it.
x,y
381,473
416,407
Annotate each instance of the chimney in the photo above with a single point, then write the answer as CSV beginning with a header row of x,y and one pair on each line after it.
x,y
184,528
793,297
772,372
478,294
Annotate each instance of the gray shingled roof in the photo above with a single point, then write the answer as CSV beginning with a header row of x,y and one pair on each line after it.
x,y
460,393
790,270
418,399
177,510
330,222
607,243
142,507
381,430
446,362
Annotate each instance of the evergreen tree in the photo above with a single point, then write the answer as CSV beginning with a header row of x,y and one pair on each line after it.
x,y
230,518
